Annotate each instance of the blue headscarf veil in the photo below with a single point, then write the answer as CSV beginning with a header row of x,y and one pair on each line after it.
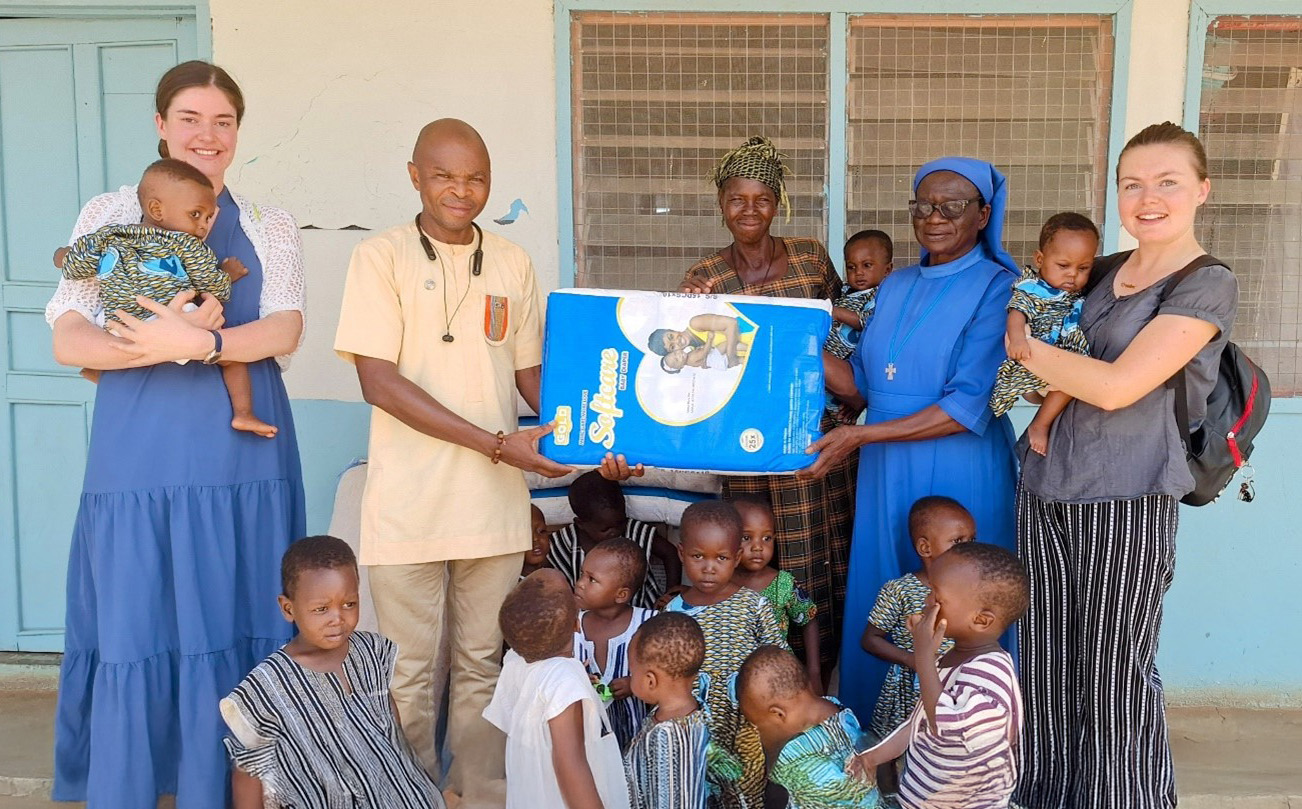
x,y
993,187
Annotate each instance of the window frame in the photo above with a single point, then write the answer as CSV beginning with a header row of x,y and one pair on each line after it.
x,y
839,13
1201,14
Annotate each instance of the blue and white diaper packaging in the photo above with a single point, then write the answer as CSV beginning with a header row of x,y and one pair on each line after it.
x,y
725,383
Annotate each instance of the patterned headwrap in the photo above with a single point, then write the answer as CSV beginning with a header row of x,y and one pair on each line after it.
x,y
756,159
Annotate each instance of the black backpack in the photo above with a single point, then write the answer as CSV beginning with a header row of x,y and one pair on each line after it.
x,y
1236,410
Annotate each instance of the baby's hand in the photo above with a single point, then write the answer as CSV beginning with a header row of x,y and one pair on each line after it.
x,y
1038,434
1018,348
59,256
234,268
622,687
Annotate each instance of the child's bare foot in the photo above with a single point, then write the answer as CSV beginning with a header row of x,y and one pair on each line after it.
x,y
90,374
1039,437
250,423
234,268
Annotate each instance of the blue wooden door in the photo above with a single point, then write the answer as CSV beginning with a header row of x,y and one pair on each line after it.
x,y
76,119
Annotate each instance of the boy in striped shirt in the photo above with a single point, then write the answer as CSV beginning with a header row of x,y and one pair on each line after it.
x,y
961,739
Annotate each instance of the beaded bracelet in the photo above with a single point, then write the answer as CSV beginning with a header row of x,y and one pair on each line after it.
x,y
497,453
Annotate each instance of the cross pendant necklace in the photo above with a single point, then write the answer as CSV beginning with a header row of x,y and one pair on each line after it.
x,y
892,350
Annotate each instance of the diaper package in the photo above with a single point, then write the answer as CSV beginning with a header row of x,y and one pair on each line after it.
x,y
724,383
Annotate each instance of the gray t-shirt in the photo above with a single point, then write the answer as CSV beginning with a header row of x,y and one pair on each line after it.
x,y
1096,455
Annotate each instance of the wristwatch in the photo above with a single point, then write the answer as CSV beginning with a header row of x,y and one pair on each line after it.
x,y
215,355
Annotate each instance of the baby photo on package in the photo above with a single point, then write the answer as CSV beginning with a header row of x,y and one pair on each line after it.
x,y
725,383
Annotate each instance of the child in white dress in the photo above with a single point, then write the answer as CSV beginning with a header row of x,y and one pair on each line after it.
x,y
560,750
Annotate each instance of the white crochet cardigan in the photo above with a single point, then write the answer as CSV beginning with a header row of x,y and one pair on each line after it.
x,y
273,232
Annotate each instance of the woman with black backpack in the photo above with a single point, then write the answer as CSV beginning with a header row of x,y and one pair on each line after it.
x,y
1096,516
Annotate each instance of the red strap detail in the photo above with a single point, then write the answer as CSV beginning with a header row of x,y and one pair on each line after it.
x,y
1232,438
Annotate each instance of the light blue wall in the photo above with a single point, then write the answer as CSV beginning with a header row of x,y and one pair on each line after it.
x,y
1231,619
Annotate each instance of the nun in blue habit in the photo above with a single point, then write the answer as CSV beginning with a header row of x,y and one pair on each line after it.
x,y
924,368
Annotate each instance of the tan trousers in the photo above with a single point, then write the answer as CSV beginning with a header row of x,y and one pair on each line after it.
x,y
413,604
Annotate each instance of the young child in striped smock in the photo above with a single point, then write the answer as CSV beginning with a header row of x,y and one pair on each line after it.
x,y
962,737
600,514
666,760
313,726
612,572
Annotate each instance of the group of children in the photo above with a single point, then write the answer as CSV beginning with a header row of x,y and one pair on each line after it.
x,y
620,689
701,704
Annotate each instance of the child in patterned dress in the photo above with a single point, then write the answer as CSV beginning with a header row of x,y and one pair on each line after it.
x,y
612,572
810,739
313,726
936,524
791,604
666,761
161,257
736,621
560,750
869,258
962,737
600,514
1048,299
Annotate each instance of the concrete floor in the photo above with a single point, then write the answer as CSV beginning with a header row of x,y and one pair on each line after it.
x,y
1235,758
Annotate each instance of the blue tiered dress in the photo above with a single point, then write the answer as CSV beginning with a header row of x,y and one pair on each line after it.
x,y
174,569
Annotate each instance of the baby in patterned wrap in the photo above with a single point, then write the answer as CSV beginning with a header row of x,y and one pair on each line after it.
x,y
1048,299
161,257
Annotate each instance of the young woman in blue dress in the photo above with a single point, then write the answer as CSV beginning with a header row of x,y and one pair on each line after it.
x,y
924,369
174,564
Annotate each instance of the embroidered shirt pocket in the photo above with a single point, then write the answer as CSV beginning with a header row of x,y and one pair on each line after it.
x,y
497,319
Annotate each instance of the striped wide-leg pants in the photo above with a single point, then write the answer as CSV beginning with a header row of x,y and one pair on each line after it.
x,y
1095,729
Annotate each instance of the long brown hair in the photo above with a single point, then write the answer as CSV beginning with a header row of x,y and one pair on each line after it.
x,y
195,73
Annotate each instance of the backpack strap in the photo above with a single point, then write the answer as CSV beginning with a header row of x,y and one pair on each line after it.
x,y
1177,381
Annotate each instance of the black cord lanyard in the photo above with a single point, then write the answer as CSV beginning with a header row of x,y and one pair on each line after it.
x,y
476,268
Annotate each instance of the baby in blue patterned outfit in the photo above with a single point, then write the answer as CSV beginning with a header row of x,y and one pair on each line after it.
x,y
868,259
1048,299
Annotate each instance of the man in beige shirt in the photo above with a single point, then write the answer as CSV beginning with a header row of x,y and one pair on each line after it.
x,y
443,323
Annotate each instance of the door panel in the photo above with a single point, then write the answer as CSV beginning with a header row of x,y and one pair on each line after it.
x,y
76,119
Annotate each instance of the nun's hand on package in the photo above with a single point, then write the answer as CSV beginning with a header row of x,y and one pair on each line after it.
x,y
832,448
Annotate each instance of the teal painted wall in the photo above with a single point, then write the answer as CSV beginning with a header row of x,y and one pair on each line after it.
x,y
1229,615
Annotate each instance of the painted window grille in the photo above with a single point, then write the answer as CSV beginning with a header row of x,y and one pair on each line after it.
x,y
657,99
1031,94
1250,120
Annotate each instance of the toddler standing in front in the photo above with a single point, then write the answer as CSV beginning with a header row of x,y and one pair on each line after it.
x,y
1049,299
936,524
791,604
313,726
735,621
666,760
612,572
560,751
962,738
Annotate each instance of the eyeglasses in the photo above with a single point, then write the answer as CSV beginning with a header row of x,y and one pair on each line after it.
x,y
950,208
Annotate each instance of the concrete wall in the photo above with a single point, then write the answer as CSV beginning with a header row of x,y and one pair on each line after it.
x,y
336,95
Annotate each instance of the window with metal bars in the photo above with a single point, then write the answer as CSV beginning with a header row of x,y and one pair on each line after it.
x,y
657,98
1250,121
